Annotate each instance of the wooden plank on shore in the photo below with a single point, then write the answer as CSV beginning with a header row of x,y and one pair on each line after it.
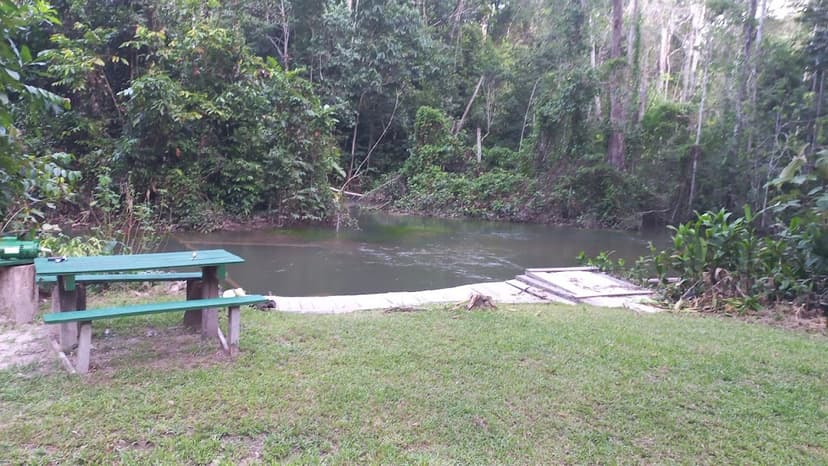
x,y
564,269
544,285
539,293
583,285
616,295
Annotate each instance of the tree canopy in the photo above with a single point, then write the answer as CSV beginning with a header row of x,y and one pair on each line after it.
x,y
604,112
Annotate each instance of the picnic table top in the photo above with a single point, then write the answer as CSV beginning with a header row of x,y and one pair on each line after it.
x,y
127,263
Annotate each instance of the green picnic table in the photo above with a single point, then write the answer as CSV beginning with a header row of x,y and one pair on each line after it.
x,y
66,297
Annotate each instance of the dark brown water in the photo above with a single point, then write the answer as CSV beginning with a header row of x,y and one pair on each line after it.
x,y
401,253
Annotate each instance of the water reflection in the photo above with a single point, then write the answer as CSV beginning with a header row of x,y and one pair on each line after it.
x,y
399,253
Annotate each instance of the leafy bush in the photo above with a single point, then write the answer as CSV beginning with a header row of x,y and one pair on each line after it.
x,y
37,184
599,194
497,194
505,158
200,126
722,262
434,145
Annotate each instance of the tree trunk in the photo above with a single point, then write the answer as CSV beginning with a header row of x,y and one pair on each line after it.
x,y
818,111
615,149
479,146
526,115
664,56
634,60
695,151
593,60
462,121
748,35
285,23
691,51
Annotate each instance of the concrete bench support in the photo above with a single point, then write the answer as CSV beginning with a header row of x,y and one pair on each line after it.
x,y
18,293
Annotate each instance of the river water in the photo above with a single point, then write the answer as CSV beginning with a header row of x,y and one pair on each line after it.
x,y
404,253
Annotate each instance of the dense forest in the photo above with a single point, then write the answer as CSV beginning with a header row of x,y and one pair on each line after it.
x,y
608,113
598,113
132,115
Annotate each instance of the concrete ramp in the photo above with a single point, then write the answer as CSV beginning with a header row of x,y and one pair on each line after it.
x,y
590,286
569,285
500,292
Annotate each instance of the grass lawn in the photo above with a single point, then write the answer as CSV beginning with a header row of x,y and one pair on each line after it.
x,y
521,384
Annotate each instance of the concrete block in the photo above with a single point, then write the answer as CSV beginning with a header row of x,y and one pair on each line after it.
x,y
18,293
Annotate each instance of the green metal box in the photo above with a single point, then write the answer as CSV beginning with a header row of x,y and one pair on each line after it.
x,y
18,251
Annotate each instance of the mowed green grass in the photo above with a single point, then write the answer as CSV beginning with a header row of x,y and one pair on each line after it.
x,y
517,385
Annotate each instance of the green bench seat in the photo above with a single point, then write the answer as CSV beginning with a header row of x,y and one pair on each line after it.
x,y
85,318
124,277
154,308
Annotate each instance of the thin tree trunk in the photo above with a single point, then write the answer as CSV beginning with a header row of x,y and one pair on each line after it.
x,y
642,90
701,40
664,56
593,59
526,115
456,31
692,46
696,150
462,121
354,137
615,149
748,35
479,146
771,167
634,60
753,87
818,112
285,22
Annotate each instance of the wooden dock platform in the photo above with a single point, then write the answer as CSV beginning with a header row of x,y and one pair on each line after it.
x,y
569,285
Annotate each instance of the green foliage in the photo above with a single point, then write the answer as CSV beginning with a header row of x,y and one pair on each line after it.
x,y
724,263
497,194
16,59
28,183
665,125
603,261
60,244
179,99
431,127
252,136
434,145
122,223
38,184
563,131
505,158
599,195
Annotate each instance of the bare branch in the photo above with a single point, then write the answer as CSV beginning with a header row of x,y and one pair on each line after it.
x,y
358,172
468,107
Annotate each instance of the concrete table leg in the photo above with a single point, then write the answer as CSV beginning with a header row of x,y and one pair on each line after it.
x,y
192,319
67,301
233,328
84,347
210,289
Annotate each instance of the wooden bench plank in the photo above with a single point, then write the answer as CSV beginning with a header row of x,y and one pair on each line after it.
x,y
125,277
155,308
